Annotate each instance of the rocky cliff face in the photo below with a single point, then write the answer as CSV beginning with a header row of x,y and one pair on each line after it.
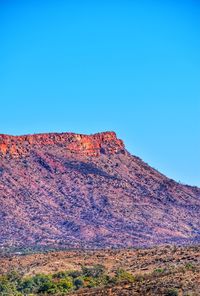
x,y
71,190
93,145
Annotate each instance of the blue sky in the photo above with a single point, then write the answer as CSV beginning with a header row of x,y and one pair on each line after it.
x,y
90,66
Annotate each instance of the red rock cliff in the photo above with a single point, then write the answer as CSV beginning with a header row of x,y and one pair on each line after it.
x,y
91,145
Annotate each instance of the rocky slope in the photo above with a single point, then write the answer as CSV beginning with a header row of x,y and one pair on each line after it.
x,y
71,190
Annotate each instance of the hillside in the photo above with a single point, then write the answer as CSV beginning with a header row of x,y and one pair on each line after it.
x,y
78,191
167,271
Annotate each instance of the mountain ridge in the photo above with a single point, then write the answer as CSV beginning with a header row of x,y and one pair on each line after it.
x,y
87,144
80,191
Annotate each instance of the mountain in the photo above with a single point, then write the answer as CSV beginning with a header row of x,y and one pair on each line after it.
x,y
87,191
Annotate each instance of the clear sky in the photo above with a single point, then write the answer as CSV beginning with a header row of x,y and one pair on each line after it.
x,y
91,66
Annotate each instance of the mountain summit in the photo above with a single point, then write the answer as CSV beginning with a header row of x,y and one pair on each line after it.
x,y
74,190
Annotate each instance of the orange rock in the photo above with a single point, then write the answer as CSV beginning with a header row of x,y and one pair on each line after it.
x,y
3,148
90,145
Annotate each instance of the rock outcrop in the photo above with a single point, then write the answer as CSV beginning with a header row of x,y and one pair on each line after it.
x,y
91,145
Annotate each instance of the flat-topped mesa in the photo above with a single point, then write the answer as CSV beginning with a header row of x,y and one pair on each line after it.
x,y
90,145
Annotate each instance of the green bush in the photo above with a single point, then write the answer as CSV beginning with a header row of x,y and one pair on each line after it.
x,y
78,283
89,281
8,288
65,284
122,275
159,270
39,283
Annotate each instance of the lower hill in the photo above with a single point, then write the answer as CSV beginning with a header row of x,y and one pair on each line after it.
x,y
163,271
77,191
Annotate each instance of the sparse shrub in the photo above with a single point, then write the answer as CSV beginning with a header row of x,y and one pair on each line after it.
x,y
74,273
159,270
171,292
189,266
14,276
122,275
139,277
65,285
60,275
94,271
78,283
89,281
104,279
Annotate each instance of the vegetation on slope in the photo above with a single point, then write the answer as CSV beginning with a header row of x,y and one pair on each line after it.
x,y
162,271
95,280
60,283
